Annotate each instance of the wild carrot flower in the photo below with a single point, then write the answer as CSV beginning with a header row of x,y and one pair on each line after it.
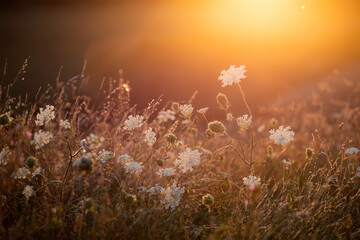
x,y
166,172
232,75
45,115
203,110
282,135
21,173
28,191
352,150
251,180
105,155
65,124
124,158
172,196
37,171
155,190
229,117
42,138
133,122
94,141
244,122
4,156
165,116
150,137
133,167
186,110
188,159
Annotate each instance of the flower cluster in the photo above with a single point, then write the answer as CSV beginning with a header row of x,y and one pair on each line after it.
x,y
186,110
203,110
188,159
165,116
21,173
65,124
105,155
133,167
251,180
42,138
166,172
45,115
4,156
282,135
133,122
28,191
172,196
244,122
150,137
232,75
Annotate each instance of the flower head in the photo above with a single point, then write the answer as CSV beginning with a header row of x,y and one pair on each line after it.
x,y
216,127
45,115
186,109
4,156
150,137
251,180
37,171
28,191
165,116
21,173
166,172
352,150
65,124
188,159
105,155
42,138
244,122
282,135
133,122
172,196
133,167
232,75
155,190
203,110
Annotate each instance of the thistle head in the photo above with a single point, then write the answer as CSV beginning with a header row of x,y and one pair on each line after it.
x,y
207,199
30,161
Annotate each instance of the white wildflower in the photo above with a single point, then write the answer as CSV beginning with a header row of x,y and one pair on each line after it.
x,y
105,155
45,115
282,135
244,122
133,122
352,150
229,117
150,137
166,172
42,138
65,124
94,141
155,190
28,191
4,156
232,75
186,110
203,110
21,173
165,116
188,159
37,171
124,159
251,180
133,167
172,196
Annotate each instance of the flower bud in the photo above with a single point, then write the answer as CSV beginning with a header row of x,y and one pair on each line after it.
x,y
30,162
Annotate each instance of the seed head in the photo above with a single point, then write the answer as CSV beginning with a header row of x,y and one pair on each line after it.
x,y
223,101
207,199
30,161
216,127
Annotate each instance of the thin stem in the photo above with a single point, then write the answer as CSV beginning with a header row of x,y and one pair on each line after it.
x,y
244,98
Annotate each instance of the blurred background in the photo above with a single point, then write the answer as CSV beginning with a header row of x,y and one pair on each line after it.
x,y
177,47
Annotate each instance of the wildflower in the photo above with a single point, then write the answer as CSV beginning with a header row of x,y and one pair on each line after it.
x,y
94,141
28,191
286,162
105,155
207,199
133,122
352,150
251,180
229,117
65,124
175,106
244,122
155,190
309,152
133,167
30,162
5,119
42,138
186,110
37,171
170,138
172,196
4,156
164,116
216,127
123,158
21,173
209,134
232,75
45,115
166,172
282,135
203,110
188,159
150,137
223,101
186,121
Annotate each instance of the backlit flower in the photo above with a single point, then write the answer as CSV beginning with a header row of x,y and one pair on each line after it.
x,y
28,191
45,115
133,122
150,137
251,180
42,138
186,110
232,75
188,159
244,122
172,196
282,135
